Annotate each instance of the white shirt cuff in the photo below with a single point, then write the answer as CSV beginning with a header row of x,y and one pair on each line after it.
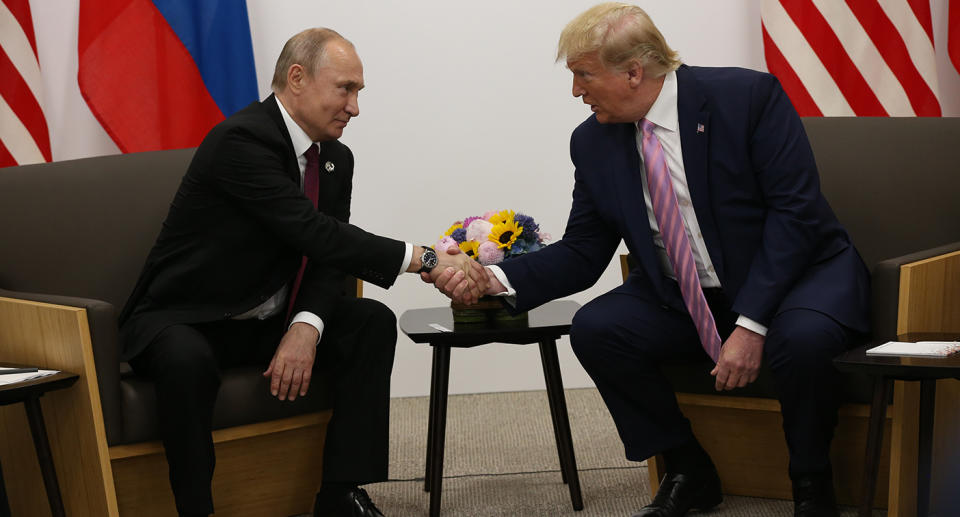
x,y
749,324
510,294
407,257
310,319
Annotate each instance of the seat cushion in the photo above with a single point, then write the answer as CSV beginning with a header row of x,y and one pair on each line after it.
x,y
244,398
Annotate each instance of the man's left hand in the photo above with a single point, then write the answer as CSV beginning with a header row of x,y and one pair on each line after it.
x,y
290,369
740,359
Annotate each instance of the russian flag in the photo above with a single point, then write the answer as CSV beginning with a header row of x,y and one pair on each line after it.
x,y
159,74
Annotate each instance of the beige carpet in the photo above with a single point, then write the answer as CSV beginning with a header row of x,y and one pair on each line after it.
x,y
501,460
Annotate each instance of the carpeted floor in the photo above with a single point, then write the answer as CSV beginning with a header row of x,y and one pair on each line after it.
x,y
501,460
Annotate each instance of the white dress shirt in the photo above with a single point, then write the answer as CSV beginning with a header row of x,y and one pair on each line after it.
x,y
665,116
273,305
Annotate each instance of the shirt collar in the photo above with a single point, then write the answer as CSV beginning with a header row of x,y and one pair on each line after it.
x,y
664,111
301,142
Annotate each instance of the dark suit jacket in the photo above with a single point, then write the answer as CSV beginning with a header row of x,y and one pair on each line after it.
x,y
773,239
239,225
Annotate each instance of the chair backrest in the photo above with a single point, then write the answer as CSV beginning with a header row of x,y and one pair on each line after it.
x,y
84,227
893,182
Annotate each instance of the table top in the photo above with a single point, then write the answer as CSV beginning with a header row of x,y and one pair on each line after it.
x,y
899,367
547,322
13,393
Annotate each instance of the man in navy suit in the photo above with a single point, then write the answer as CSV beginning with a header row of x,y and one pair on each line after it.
x,y
781,282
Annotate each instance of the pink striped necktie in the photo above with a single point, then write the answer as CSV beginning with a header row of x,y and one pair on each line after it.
x,y
673,232
311,187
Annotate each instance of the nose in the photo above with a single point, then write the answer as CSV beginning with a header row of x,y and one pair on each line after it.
x,y
577,89
353,106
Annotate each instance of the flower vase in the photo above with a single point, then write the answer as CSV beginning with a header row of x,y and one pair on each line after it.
x,y
489,309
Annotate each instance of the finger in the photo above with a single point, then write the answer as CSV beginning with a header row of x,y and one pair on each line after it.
x,y
285,383
455,280
453,250
425,277
269,371
275,379
744,380
295,381
721,381
307,374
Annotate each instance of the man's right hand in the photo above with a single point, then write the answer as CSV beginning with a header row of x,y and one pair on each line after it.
x,y
472,279
454,284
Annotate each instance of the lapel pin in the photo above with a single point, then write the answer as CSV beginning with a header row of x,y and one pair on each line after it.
x,y
699,128
328,166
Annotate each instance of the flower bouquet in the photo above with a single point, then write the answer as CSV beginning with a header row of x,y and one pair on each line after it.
x,y
491,239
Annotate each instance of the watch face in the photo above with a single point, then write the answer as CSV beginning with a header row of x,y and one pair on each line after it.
x,y
429,258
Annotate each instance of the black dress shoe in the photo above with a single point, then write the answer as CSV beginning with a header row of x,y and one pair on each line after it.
x,y
680,493
813,496
349,503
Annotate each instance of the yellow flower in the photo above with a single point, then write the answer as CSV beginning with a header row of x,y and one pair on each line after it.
x,y
504,216
470,248
456,226
505,234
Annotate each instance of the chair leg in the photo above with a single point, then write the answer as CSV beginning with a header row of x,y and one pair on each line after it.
x,y
561,421
878,411
438,423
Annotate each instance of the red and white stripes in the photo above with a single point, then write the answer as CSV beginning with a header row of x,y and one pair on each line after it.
x,y
853,57
24,137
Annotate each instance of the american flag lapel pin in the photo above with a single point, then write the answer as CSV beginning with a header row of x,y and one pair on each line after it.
x,y
699,128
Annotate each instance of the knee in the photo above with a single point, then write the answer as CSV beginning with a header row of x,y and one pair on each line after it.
x,y
808,341
591,325
379,319
184,361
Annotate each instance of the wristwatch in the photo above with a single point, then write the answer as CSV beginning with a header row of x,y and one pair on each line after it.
x,y
428,260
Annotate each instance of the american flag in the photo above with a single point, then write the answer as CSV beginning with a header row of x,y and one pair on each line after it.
x,y
855,57
24,137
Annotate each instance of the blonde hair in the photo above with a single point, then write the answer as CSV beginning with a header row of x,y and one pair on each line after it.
x,y
305,48
618,33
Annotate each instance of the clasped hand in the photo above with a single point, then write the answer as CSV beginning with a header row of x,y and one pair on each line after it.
x,y
459,277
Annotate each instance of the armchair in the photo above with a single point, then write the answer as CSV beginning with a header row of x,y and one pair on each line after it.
x,y
75,235
893,184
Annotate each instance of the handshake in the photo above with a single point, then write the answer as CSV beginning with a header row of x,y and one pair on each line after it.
x,y
461,278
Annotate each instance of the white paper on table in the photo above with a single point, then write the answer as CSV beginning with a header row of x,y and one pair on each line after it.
x,y
13,378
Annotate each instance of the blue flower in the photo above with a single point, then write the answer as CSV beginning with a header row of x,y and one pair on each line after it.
x,y
459,235
530,227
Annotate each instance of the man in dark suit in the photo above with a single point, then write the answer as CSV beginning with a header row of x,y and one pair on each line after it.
x,y
253,253
707,175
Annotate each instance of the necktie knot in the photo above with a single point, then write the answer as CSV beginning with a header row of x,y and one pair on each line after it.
x,y
646,126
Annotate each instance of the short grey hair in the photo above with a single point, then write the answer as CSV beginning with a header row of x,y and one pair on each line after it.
x,y
306,48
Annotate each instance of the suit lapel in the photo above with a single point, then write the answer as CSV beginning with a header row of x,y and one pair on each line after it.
x,y
272,108
629,185
694,127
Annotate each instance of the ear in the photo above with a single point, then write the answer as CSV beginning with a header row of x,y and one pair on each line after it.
x,y
296,76
635,73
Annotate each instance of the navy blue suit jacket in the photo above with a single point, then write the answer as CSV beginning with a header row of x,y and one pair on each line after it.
x,y
773,239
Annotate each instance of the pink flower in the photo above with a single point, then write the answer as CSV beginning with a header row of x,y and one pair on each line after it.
x,y
488,215
445,243
479,230
489,253
543,236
